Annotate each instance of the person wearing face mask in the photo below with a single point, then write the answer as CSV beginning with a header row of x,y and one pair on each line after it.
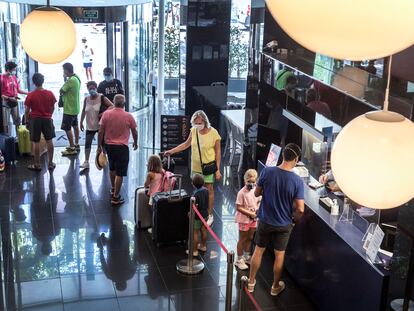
x,y
247,205
282,202
205,154
10,89
93,104
110,86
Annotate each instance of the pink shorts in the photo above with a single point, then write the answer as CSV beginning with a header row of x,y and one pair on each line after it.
x,y
247,227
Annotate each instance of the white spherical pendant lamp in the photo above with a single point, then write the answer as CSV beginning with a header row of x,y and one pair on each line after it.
x,y
48,35
372,160
351,29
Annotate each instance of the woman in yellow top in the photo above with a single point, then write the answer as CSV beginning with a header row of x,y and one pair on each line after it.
x,y
210,149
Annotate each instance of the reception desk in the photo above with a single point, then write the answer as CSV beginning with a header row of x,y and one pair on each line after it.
x,y
325,257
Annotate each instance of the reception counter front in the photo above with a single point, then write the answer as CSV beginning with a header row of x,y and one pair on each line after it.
x,y
326,258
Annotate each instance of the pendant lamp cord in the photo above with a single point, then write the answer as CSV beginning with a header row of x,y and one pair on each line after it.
x,y
387,90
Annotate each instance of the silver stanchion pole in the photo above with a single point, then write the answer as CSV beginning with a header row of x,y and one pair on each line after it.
x,y
190,265
229,280
242,297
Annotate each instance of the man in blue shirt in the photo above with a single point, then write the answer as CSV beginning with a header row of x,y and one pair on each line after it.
x,y
282,194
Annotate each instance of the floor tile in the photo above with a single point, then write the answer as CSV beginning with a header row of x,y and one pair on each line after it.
x,y
146,302
208,299
176,281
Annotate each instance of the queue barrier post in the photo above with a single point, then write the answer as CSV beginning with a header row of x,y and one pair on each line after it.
x,y
190,265
229,280
242,297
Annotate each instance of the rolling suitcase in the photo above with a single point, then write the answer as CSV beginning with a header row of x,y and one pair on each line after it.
x,y
170,219
143,212
23,136
8,147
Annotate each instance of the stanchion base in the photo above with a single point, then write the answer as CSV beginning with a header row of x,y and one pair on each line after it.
x,y
184,267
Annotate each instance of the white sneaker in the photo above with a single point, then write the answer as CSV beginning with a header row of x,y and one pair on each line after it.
x,y
247,259
149,230
195,254
210,220
241,264
85,165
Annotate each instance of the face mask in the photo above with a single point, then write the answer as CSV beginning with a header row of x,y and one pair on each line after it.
x,y
108,78
13,73
199,127
93,92
250,185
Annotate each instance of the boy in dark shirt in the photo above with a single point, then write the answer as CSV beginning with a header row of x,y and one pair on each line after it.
x,y
201,196
110,86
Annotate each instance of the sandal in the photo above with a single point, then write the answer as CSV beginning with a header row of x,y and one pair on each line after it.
x,y
34,167
52,166
250,287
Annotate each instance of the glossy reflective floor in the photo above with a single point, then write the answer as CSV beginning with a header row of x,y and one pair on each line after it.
x,y
65,248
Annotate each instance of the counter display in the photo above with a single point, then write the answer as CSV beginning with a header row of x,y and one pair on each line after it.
x,y
326,258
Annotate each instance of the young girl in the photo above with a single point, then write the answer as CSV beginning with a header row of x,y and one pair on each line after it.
x,y
154,179
247,205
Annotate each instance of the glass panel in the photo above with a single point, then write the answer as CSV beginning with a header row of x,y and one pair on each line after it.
x,y
139,57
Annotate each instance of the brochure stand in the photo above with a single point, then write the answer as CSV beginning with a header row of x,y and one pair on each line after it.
x,y
347,213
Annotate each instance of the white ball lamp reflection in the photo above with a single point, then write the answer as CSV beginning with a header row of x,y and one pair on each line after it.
x,y
372,159
352,29
48,35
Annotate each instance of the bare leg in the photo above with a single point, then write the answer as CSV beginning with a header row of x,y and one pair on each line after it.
x,y
248,244
243,237
70,138
117,185
195,244
90,73
76,131
203,236
36,152
112,176
87,154
278,267
210,188
50,150
255,263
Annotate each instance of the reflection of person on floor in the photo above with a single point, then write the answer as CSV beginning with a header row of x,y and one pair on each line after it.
x,y
45,225
118,265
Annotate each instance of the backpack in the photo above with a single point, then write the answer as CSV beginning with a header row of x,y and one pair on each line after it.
x,y
167,183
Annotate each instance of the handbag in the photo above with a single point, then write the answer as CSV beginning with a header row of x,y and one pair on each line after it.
x,y
208,168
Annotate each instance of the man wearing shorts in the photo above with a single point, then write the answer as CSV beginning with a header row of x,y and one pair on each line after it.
x,y
71,108
116,125
10,89
40,105
87,54
282,199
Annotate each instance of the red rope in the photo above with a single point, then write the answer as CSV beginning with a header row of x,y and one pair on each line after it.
x,y
210,230
249,294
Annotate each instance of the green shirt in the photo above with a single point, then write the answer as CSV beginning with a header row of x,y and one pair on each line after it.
x,y
70,96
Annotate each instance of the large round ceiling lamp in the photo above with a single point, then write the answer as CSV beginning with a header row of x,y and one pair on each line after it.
x,y
372,159
351,29
48,35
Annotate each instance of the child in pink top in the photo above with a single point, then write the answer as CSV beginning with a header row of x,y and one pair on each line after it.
x,y
247,205
153,182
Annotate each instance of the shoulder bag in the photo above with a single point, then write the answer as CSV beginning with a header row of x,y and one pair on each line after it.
x,y
208,168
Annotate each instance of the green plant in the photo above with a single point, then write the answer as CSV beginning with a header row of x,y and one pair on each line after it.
x,y
238,62
172,50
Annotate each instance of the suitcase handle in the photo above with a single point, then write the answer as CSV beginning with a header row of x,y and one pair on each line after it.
x,y
179,177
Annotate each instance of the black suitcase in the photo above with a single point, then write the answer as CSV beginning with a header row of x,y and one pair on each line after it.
x,y
170,215
8,147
